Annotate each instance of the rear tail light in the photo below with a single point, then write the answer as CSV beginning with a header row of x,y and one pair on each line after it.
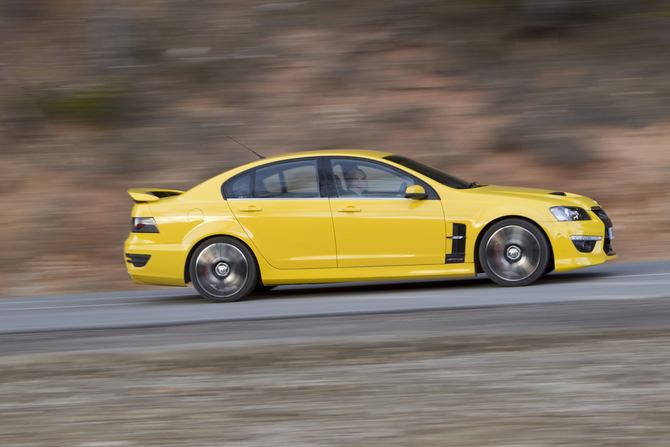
x,y
143,225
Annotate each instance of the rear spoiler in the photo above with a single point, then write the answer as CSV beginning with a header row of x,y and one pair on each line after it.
x,y
152,194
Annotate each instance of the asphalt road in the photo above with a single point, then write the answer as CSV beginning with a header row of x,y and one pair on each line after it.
x,y
182,306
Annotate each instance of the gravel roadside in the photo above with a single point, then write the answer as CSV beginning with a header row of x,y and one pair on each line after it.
x,y
595,387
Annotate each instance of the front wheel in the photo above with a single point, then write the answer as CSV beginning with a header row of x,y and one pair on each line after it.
x,y
514,252
223,269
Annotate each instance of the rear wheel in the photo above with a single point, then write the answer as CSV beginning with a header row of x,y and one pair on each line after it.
x,y
514,252
223,269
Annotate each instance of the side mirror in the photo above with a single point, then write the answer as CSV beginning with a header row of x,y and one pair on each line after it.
x,y
416,192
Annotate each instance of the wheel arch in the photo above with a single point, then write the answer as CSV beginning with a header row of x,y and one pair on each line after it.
x,y
194,247
482,232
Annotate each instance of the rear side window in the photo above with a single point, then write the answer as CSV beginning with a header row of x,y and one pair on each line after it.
x,y
298,179
239,188
288,180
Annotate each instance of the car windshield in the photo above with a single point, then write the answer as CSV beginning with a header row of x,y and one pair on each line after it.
x,y
435,174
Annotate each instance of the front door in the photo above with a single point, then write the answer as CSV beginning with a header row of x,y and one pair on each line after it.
x,y
375,225
283,212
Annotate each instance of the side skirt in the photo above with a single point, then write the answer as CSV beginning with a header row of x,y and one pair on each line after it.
x,y
272,276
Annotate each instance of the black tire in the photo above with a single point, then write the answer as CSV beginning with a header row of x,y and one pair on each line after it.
x,y
514,252
223,269
550,268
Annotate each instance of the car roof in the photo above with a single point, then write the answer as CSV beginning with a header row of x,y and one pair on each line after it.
x,y
332,153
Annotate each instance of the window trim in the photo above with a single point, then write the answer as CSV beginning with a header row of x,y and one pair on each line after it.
x,y
332,188
320,179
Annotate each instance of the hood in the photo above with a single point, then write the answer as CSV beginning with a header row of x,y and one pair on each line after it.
x,y
545,195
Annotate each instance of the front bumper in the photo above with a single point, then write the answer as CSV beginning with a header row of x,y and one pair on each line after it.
x,y
566,255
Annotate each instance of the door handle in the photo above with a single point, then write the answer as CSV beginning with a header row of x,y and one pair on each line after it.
x,y
349,209
250,209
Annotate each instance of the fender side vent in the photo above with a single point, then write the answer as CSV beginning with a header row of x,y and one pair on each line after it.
x,y
458,240
557,193
457,245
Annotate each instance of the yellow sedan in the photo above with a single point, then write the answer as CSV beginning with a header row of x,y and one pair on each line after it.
x,y
341,216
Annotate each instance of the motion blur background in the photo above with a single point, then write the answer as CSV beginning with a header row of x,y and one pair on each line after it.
x,y
97,97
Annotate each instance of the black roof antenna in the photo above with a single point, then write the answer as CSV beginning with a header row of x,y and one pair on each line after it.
x,y
259,156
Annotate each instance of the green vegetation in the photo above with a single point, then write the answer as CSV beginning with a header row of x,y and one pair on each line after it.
x,y
102,105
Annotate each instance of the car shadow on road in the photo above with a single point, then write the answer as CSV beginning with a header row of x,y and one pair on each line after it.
x,y
348,288
555,278
448,285
344,289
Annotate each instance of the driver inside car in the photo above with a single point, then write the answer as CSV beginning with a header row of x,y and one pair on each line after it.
x,y
356,181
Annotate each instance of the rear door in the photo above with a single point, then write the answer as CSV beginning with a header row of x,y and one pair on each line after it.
x,y
283,208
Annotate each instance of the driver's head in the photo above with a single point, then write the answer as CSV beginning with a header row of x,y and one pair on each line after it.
x,y
356,180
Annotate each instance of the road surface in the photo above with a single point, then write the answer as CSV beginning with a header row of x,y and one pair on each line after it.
x,y
180,306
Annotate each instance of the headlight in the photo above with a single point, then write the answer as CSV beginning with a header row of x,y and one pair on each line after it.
x,y
143,225
565,213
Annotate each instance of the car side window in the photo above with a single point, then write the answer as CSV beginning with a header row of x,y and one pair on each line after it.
x,y
298,179
240,188
354,177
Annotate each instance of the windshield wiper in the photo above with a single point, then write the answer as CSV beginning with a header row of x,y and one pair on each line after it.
x,y
473,185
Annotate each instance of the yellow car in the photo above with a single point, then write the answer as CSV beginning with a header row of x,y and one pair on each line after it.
x,y
341,216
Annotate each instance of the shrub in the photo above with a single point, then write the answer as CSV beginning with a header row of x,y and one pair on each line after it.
x,y
101,105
